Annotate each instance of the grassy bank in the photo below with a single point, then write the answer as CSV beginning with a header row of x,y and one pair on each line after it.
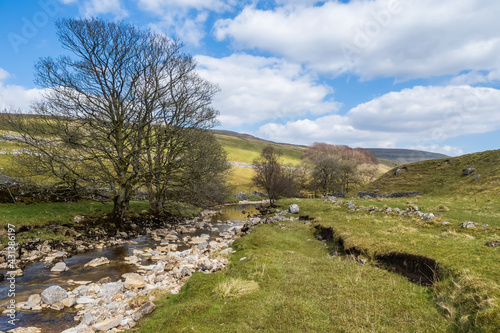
x,y
284,280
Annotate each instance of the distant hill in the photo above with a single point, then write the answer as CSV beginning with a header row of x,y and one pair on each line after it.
x,y
445,176
387,156
404,155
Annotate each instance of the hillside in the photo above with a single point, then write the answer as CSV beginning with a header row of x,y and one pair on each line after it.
x,y
404,155
445,176
387,156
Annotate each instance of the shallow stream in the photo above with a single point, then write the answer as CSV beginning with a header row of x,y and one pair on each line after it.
x,y
36,278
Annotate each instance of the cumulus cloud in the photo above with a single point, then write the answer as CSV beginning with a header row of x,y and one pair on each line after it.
x,y
185,17
417,117
17,97
256,89
379,38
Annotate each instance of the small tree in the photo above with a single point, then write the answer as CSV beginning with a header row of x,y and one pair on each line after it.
x,y
270,176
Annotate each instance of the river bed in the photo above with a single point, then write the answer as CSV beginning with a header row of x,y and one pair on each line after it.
x,y
37,278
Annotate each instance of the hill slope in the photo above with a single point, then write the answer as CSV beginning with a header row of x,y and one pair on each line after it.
x,y
404,155
445,176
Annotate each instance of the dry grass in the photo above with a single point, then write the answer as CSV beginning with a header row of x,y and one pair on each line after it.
x,y
235,288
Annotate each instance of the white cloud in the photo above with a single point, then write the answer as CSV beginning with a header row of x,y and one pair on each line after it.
x,y
256,89
185,17
379,38
474,77
13,96
417,117
98,7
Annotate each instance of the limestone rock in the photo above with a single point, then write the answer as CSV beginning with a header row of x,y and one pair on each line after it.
x,y
144,310
293,209
53,294
68,302
108,323
134,281
97,262
60,267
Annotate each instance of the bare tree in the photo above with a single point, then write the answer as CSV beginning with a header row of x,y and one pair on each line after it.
x,y
108,108
271,176
334,167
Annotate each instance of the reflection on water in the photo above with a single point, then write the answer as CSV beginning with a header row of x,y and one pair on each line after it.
x,y
37,278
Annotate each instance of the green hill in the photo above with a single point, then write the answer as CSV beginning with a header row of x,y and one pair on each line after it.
x,y
445,176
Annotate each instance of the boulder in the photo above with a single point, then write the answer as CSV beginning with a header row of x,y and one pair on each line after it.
x,y
469,225
60,267
468,171
53,294
97,262
293,209
134,281
493,244
108,323
144,310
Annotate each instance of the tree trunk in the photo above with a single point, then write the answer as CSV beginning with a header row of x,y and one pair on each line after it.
x,y
155,205
121,204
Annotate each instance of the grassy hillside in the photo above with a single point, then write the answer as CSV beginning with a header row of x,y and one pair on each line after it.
x,y
444,176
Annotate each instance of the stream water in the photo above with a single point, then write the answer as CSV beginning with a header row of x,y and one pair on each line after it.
x,y
36,278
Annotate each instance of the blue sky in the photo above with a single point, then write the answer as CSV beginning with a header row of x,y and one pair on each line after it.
x,y
379,73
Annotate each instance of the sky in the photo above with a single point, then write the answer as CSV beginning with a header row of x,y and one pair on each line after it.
x,y
415,74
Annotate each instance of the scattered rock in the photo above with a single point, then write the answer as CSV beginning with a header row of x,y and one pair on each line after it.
x,y
477,176
469,225
493,244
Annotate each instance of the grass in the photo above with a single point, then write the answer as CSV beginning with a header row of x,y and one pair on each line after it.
x,y
246,150
444,176
469,293
288,282
40,214
454,208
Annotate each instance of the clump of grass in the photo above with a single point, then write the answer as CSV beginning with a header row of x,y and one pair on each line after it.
x,y
235,288
469,302
138,301
442,208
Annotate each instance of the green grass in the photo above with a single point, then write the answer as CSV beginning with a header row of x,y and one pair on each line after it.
x,y
469,294
246,150
58,212
444,176
456,209
289,283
